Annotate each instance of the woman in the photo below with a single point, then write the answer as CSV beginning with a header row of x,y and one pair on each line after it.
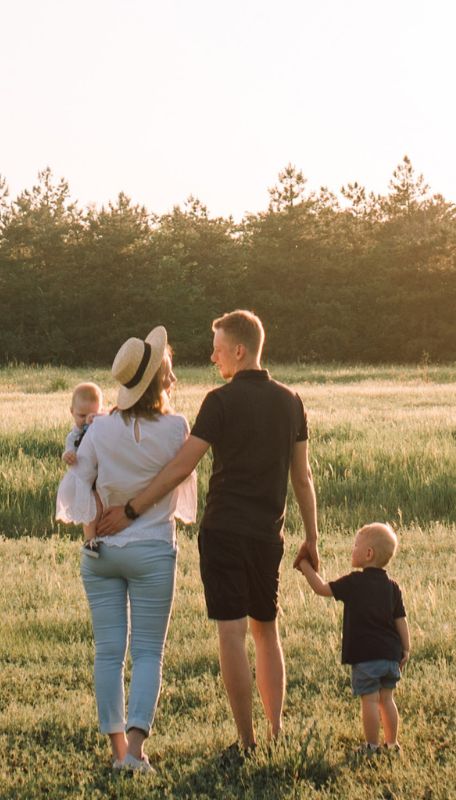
x,y
136,568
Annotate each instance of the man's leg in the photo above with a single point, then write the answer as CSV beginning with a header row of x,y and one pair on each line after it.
x,y
237,675
270,672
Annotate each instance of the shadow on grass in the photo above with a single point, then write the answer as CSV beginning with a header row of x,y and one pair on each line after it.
x,y
270,773
198,667
81,769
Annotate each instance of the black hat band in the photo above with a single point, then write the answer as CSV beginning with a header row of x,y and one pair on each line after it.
x,y
141,369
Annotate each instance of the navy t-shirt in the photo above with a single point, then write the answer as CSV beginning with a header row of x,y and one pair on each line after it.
x,y
252,424
372,601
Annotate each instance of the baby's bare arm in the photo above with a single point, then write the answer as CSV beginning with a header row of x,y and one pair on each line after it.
x,y
69,457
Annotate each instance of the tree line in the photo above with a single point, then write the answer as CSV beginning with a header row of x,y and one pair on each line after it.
x,y
360,277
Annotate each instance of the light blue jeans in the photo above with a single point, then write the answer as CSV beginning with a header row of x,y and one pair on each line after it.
x,y
139,578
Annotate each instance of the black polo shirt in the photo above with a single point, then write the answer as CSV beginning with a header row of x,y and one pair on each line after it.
x,y
372,601
252,424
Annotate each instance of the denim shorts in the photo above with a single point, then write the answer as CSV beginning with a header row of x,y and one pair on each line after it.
x,y
370,676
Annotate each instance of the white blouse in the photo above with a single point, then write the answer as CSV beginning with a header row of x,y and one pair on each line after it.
x,y
122,467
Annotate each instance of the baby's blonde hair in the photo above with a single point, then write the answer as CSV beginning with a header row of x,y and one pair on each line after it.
x,y
383,541
88,392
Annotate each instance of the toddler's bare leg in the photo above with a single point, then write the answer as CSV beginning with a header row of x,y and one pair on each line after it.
x,y
389,715
371,717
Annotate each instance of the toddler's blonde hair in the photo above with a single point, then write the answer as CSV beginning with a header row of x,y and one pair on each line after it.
x,y
383,541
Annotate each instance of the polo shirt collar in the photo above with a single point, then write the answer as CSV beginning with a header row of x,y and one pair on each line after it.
x,y
252,374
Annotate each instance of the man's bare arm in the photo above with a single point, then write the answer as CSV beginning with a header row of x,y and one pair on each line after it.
x,y
191,452
303,487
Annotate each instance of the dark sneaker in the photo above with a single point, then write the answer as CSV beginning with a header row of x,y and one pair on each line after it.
x,y
235,756
91,549
368,751
392,749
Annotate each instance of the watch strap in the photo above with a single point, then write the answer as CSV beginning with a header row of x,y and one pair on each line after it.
x,y
130,511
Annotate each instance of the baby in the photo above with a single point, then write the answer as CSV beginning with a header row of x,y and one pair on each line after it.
x,y
86,404
375,638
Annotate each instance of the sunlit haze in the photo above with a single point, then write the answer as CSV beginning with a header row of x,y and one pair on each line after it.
x,y
166,99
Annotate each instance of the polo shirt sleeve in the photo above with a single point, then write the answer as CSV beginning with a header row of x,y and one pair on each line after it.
x,y
398,603
342,587
303,430
209,421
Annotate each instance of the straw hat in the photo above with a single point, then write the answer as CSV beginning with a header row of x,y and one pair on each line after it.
x,y
136,364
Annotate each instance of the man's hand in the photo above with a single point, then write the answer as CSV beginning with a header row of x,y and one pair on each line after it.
x,y
69,457
113,521
309,552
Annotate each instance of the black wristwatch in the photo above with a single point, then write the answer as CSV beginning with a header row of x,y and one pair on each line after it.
x,y
130,511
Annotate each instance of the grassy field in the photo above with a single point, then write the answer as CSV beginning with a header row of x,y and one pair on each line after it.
x,y
382,441
383,446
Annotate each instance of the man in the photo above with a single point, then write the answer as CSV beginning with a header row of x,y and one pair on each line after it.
x,y
257,429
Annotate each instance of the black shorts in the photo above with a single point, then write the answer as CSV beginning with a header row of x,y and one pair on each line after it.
x,y
240,575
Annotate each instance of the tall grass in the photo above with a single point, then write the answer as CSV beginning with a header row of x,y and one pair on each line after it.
x,y
382,442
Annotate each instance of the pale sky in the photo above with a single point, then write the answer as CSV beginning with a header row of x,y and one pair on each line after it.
x,y
214,97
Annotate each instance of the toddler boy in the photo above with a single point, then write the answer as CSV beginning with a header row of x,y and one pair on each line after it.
x,y
375,639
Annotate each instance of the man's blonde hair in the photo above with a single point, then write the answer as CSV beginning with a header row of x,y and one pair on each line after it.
x,y
383,541
243,326
87,392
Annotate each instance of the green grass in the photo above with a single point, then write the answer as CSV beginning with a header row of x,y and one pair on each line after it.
x,y
382,441
49,743
35,378
382,446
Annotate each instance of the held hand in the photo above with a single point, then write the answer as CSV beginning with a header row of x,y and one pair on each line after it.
x,y
308,552
69,457
113,521
304,566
